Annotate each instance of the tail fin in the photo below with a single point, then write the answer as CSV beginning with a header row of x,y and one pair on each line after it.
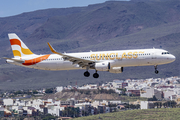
x,y
18,47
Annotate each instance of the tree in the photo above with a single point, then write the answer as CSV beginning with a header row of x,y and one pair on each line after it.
x,y
124,91
71,112
152,99
156,104
173,103
110,91
35,92
49,90
160,104
49,117
165,105
137,106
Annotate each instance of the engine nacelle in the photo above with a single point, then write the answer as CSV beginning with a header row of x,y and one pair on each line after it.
x,y
104,66
116,70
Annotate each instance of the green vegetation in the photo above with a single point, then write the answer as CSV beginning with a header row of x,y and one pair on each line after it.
x,y
89,92
152,99
49,117
131,106
50,90
125,98
70,112
150,114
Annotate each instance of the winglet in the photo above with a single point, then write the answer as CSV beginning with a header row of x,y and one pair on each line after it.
x,y
52,49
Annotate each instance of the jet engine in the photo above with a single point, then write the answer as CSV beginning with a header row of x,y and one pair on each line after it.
x,y
116,70
106,66
103,66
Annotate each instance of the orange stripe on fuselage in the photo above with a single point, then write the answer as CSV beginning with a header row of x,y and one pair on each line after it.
x,y
36,60
15,42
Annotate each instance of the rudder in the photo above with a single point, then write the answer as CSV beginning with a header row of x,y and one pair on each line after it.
x,y
19,49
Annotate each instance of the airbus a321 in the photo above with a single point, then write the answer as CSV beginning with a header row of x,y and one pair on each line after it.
x,y
111,61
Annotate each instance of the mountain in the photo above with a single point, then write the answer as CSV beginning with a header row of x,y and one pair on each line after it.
x,y
113,25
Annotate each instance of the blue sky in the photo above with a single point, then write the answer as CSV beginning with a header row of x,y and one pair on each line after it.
x,y
14,7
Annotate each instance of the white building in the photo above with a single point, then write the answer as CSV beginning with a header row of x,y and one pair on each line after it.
x,y
168,94
8,101
55,110
147,105
117,83
59,89
148,92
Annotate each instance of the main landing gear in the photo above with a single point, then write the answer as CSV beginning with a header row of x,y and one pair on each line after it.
x,y
156,71
96,75
87,74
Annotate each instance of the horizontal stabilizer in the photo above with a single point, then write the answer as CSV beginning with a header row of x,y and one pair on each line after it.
x,y
21,61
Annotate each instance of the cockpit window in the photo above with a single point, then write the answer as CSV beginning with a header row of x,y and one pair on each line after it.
x,y
163,53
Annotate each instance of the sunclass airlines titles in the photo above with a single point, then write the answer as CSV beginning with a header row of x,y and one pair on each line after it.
x,y
112,56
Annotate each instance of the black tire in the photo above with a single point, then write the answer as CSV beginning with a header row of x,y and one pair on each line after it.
x,y
95,75
86,74
156,71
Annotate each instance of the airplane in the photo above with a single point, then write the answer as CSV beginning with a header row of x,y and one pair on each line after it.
x,y
111,61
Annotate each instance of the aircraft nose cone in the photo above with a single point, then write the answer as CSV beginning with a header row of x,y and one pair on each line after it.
x,y
172,58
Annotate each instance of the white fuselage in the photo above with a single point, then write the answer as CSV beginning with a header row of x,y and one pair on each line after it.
x,y
120,58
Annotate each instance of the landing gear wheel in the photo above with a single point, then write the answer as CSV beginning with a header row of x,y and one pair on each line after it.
x,y
95,75
156,71
86,74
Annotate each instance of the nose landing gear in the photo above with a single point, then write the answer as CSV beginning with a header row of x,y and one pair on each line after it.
x,y
156,71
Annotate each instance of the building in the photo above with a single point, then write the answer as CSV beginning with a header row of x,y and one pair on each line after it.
x,y
102,109
148,92
168,94
1,112
124,84
59,89
158,94
133,92
8,102
147,105
117,83
70,102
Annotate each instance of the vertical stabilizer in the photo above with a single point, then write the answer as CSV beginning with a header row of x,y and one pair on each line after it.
x,y
19,49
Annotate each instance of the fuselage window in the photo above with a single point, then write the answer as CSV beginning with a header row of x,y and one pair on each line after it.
x,y
164,53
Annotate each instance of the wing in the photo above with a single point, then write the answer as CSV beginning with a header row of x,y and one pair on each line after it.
x,y
75,60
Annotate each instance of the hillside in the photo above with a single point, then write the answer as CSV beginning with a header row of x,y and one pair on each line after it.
x,y
149,114
113,25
